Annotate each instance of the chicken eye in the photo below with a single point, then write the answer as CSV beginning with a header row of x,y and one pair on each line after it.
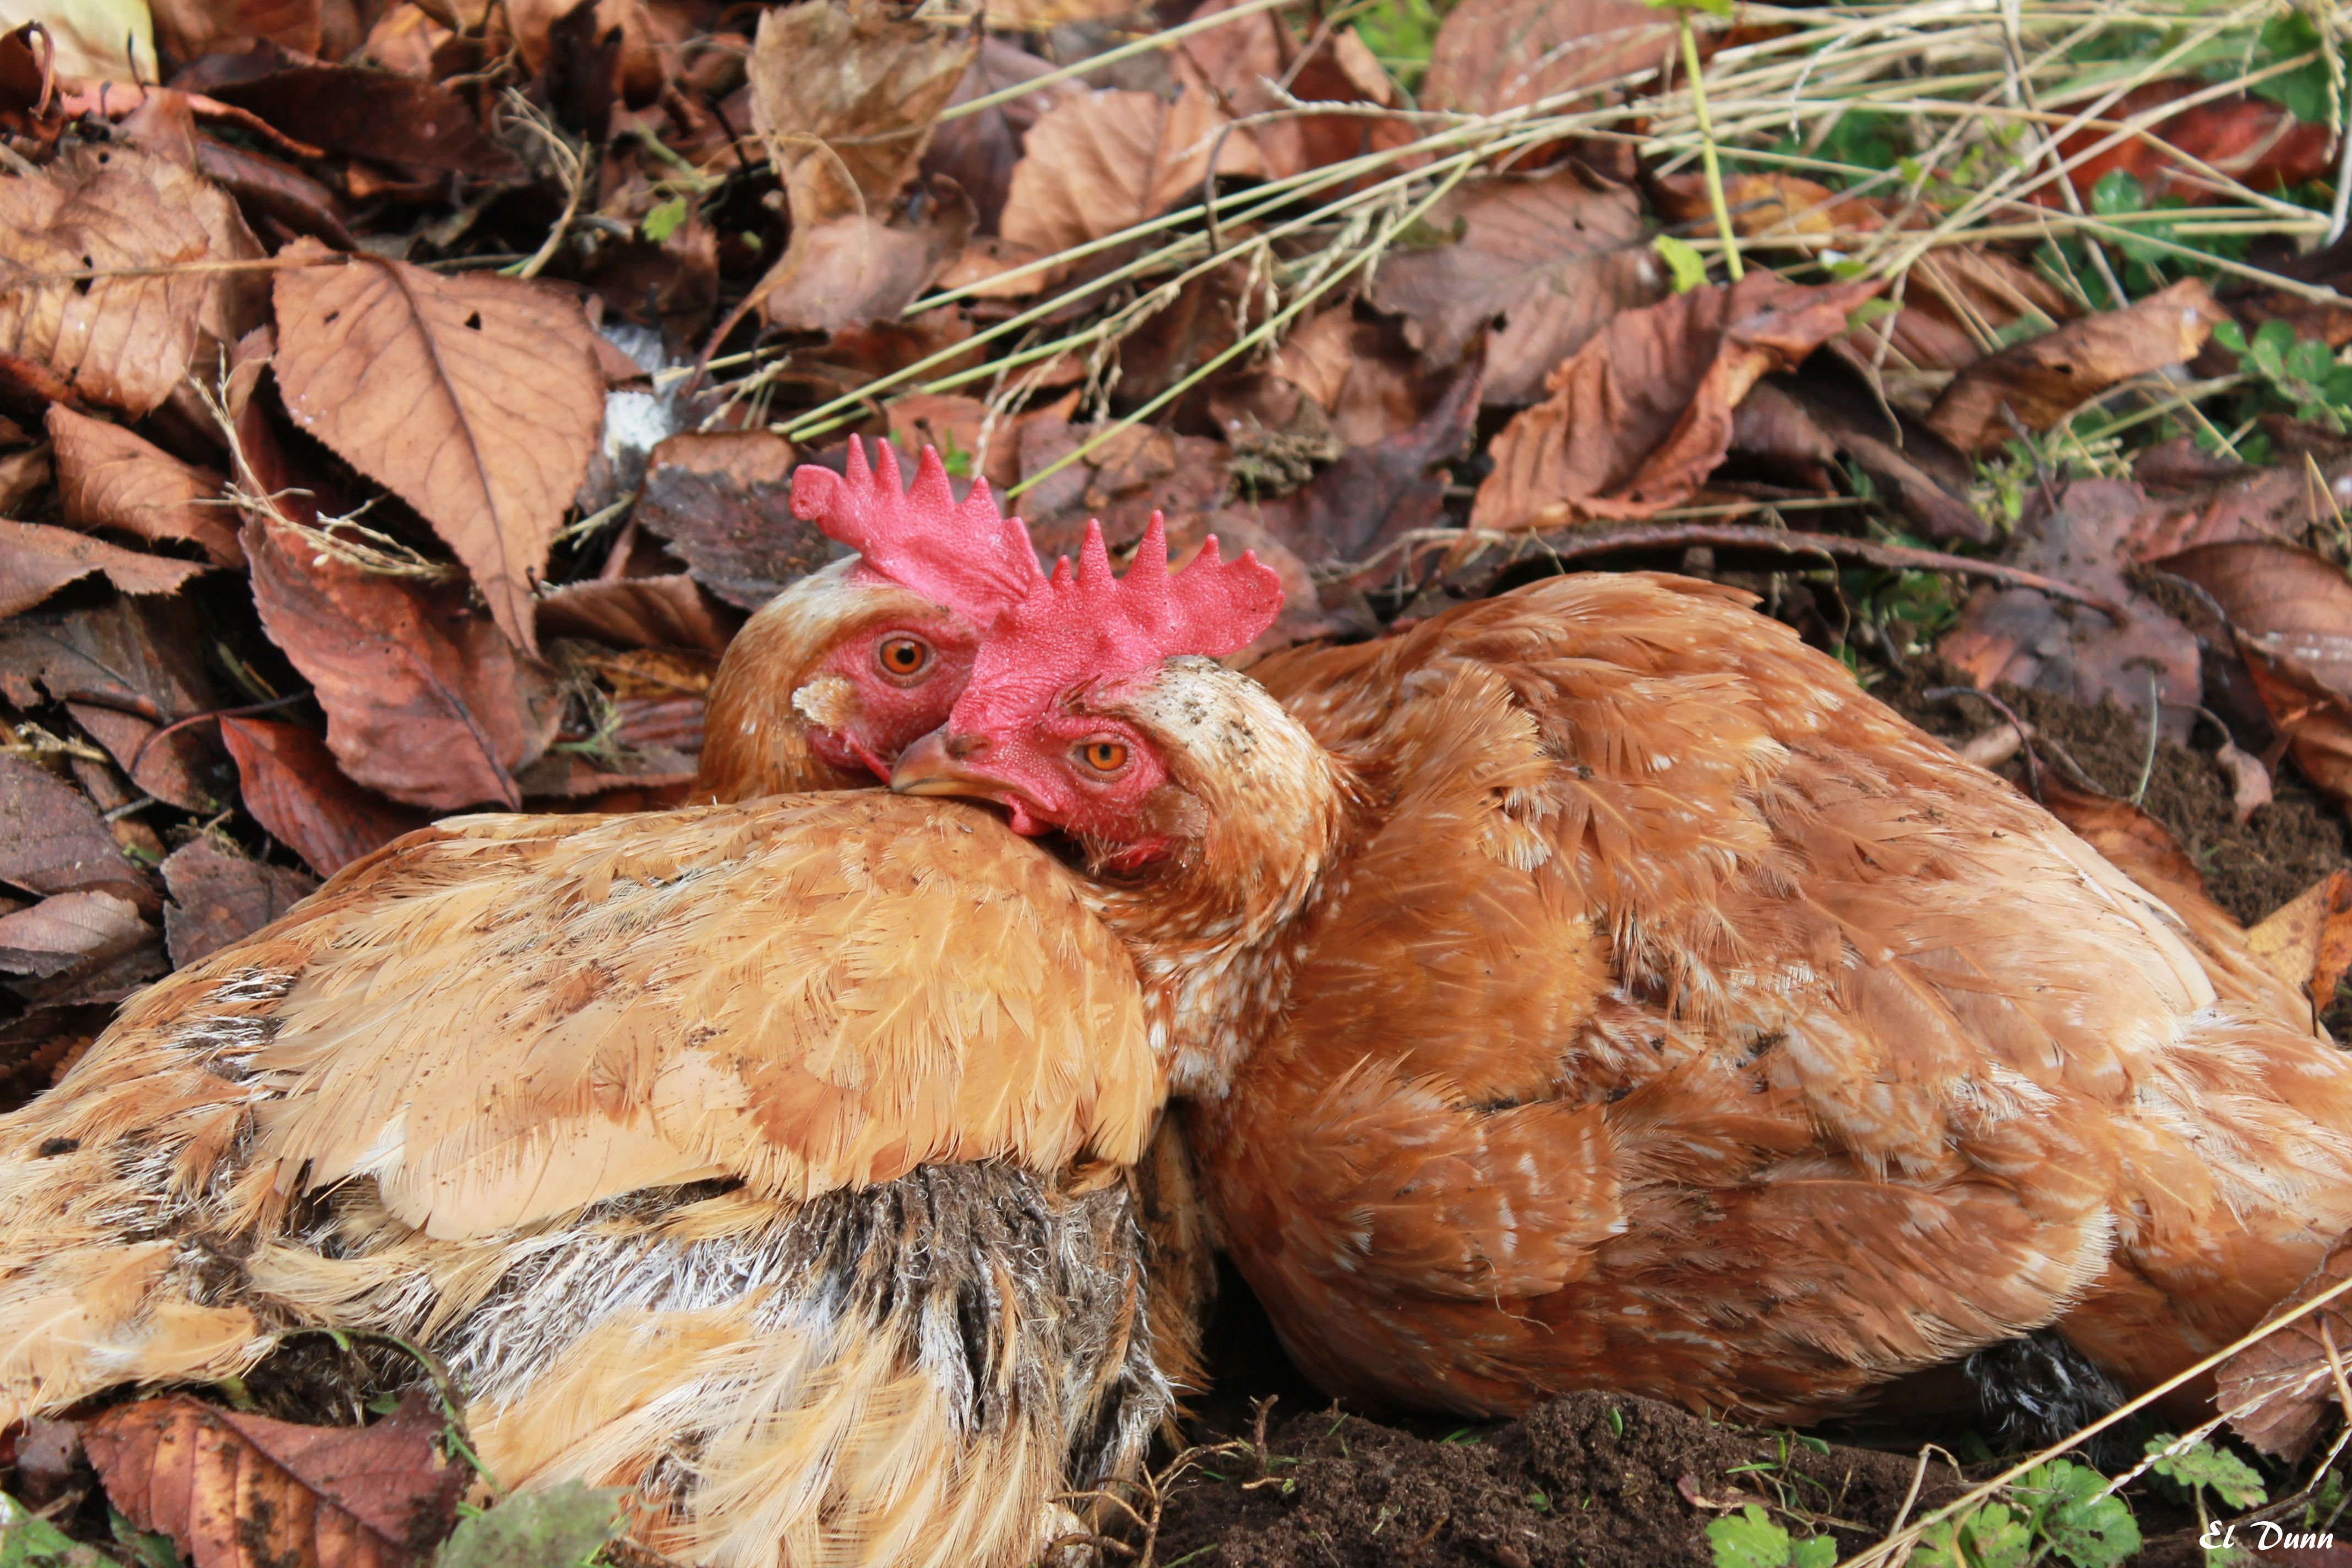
x,y
1103,757
903,656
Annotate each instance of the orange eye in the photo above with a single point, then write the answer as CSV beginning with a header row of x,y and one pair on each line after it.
x,y
903,656
1103,757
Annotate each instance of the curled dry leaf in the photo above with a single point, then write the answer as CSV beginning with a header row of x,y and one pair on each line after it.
x,y
219,897
193,29
375,114
292,787
1109,160
69,931
124,341
1135,472
36,560
1954,300
1375,494
2275,1391
2024,638
476,399
110,478
725,505
1242,59
123,672
2307,940
979,152
1558,257
52,839
239,1491
636,612
843,267
425,701
1493,55
2250,139
1639,416
1764,205
2042,381
843,85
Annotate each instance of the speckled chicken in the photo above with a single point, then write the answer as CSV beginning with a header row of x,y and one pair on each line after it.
x,y
768,1159
1593,987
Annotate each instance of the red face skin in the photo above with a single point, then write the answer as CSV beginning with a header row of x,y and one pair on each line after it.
x,y
906,674
1094,777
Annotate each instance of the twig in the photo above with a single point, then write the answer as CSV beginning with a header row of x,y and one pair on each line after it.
x,y
177,724
2155,726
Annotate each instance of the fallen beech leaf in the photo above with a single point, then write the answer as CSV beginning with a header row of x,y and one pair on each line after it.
x,y
636,612
2137,843
294,790
1558,257
36,560
1137,472
2250,139
123,672
1640,415
2024,638
1494,54
115,38
476,398
1241,59
219,897
2042,381
68,931
2275,1391
52,839
1925,476
1765,205
110,477
375,114
844,85
843,267
425,701
740,538
237,301
239,1491
1110,160
2291,939
193,29
1954,299
979,152
122,341
1374,495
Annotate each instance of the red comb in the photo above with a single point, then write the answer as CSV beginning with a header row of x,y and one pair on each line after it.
x,y
1088,625
970,558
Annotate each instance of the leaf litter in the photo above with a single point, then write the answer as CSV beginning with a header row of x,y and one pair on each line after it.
x,y
398,402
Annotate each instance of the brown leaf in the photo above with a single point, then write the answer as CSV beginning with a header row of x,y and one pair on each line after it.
x,y
69,931
2250,139
1375,494
294,790
2275,1391
1139,470
375,114
1764,204
237,300
1242,59
24,475
124,341
2021,637
2042,381
1558,256
1640,415
36,560
219,897
831,81
110,477
1955,299
191,29
2137,843
239,1491
1493,55
979,152
738,536
1925,476
2307,940
1110,160
2250,782
52,839
843,267
637,611
476,398
425,701
123,671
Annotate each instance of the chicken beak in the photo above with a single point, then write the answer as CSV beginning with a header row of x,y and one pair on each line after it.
x,y
928,767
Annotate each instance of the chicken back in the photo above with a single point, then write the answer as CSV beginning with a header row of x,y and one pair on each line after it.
x,y
765,1159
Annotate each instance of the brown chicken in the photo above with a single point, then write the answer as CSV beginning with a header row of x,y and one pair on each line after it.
x,y
1593,987
766,1158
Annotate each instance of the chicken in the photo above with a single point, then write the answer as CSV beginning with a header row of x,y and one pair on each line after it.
x,y
829,680
1592,987
770,1158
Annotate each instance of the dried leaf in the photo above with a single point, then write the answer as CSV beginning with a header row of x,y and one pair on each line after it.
x,y
219,897
2250,139
2275,1391
2021,637
239,1491
846,86
52,839
122,341
123,672
979,152
1558,257
1956,299
36,560
2135,842
192,28
1374,495
2042,381
1924,475
1137,472
294,790
375,114
69,931
476,398
843,267
1242,59
110,477
637,611
1110,160
1494,54
739,537
1640,415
